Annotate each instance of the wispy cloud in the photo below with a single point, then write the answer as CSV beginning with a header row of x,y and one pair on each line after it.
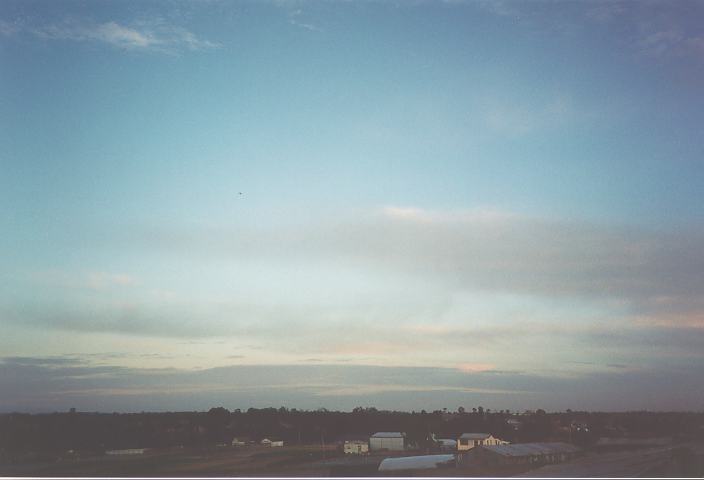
x,y
516,119
96,280
296,18
154,35
9,29
656,30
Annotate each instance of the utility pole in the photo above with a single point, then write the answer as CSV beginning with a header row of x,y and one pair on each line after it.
x,y
322,442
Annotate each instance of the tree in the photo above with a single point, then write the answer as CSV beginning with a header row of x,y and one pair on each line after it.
x,y
460,410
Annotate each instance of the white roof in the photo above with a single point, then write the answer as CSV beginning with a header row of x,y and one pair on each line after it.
x,y
388,435
413,463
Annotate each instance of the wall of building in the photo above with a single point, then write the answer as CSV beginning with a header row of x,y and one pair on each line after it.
x,y
395,444
357,448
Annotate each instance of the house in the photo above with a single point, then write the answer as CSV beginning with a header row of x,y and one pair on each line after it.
x,y
272,443
395,441
467,441
421,462
355,447
240,441
527,453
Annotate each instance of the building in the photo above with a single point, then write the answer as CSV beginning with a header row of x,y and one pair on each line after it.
x,y
468,441
446,444
527,453
395,441
355,447
126,451
514,423
240,441
272,443
421,462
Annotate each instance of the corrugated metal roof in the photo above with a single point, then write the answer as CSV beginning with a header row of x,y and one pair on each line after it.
x,y
416,463
388,435
610,465
475,436
447,442
527,449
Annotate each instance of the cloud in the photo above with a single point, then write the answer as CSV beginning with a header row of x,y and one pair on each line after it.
x,y
8,29
155,35
498,7
35,386
294,18
92,280
519,119
605,12
396,280
655,30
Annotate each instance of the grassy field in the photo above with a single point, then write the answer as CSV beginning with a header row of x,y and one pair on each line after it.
x,y
226,461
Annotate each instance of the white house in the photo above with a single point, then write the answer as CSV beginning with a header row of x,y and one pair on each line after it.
x,y
468,441
388,441
272,443
355,447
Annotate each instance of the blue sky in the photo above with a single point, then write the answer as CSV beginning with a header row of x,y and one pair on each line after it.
x,y
414,203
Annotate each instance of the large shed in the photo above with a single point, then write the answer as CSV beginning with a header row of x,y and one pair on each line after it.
x,y
395,441
527,453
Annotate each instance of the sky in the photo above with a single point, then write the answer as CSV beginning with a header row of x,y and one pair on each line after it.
x,y
401,204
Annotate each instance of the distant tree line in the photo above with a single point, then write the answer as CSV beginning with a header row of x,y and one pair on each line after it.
x,y
97,432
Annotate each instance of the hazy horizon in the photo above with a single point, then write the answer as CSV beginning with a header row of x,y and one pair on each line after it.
x,y
410,205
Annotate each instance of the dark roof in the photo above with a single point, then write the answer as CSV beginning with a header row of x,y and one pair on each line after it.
x,y
388,435
475,436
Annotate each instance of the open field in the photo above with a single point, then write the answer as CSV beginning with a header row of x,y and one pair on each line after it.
x,y
312,461
226,461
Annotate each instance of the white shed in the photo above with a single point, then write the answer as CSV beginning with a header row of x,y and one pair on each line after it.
x,y
395,441
355,447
